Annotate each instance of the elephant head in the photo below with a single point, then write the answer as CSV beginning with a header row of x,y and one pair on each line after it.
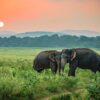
x,y
67,56
55,61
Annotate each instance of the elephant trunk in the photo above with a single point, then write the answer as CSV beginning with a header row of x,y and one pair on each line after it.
x,y
59,66
63,62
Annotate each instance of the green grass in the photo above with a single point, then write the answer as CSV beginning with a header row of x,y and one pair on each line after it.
x,y
18,80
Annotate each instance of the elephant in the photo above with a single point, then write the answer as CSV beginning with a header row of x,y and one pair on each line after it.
x,y
48,59
83,58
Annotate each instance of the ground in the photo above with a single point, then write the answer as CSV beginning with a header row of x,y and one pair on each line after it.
x,y
19,81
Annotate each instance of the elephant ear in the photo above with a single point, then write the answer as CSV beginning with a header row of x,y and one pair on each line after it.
x,y
73,55
52,57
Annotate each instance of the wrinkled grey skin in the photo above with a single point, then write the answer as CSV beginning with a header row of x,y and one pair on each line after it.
x,y
80,57
63,63
48,59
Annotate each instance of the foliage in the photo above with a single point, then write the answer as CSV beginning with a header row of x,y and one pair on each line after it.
x,y
94,90
19,81
53,41
62,97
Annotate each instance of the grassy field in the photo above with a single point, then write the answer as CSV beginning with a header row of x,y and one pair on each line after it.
x,y
18,80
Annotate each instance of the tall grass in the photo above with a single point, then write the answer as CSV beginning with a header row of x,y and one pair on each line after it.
x,y
18,80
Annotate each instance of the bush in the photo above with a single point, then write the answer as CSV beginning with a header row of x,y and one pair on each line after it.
x,y
52,86
94,92
62,97
70,82
94,89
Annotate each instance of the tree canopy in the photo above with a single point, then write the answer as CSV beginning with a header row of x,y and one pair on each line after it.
x,y
51,41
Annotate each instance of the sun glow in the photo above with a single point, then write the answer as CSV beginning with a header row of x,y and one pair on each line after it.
x,y
1,24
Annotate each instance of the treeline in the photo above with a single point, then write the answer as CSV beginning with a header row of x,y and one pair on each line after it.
x,y
51,41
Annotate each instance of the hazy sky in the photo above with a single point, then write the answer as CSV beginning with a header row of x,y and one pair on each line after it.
x,y
50,15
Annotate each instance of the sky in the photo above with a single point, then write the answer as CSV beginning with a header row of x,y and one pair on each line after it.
x,y
50,15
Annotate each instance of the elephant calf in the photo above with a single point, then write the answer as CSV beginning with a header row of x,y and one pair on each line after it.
x,y
48,59
80,57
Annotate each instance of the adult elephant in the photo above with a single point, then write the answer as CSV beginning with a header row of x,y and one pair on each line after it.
x,y
80,57
48,59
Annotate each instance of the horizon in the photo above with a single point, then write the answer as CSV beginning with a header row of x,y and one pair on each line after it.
x,y
70,32
50,31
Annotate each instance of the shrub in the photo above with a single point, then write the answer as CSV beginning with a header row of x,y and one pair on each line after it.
x,y
70,82
94,89
94,92
62,97
52,87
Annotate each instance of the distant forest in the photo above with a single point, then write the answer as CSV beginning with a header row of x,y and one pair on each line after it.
x,y
51,41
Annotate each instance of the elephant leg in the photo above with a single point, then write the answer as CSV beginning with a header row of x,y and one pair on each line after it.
x,y
58,64
59,70
53,67
63,63
72,69
62,68
54,70
99,68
